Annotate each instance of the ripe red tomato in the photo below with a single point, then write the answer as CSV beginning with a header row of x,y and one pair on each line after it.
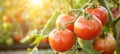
x,y
87,29
99,12
64,18
61,40
107,44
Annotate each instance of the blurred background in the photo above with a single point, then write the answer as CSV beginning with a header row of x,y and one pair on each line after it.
x,y
19,17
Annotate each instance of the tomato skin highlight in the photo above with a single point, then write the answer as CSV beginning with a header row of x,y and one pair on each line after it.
x,y
87,29
61,40
99,12
64,18
107,44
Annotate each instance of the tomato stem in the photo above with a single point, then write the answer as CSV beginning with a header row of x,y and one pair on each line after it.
x,y
103,34
87,4
63,26
93,5
87,15
76,43
115,31
75,10
116,20
79,11
118,16
117,39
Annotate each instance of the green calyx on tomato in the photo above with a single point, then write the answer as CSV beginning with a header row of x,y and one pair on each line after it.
x,y
92,5
61,40
87,15
103,35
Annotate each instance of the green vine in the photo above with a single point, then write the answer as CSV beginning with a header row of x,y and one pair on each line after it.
x,y
116,20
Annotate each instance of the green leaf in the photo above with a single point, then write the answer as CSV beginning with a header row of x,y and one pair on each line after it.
x,y
28,38
38,39
50,24
33,33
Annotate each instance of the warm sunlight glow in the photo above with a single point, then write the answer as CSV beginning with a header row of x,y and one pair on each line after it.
x,y
37,3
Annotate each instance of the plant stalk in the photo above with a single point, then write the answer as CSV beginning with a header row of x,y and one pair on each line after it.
x,y
115,21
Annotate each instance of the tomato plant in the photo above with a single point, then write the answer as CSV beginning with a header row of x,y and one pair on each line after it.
x,y
99,12
87,29
64,18
69,30
61,40
106,44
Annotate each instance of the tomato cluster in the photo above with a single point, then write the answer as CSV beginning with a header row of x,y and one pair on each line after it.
x,y
62,38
